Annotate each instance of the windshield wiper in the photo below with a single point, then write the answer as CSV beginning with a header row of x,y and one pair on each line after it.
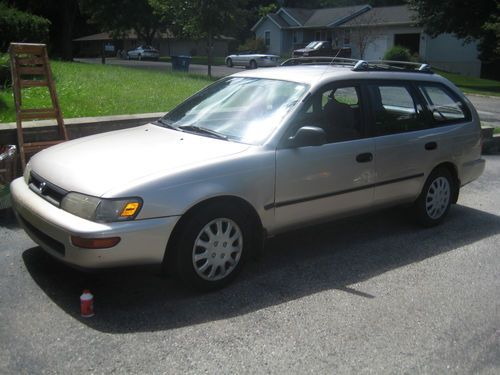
x,y
200,130
164,123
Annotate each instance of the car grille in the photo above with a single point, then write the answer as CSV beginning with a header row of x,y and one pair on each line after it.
x,y
48,191
42,237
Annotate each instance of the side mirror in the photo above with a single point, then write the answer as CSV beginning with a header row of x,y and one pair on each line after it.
x,y
308,136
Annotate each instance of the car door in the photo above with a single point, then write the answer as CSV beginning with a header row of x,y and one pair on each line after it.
x,y
406,146
318,182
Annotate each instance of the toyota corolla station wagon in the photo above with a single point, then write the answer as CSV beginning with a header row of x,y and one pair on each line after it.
x,y
252,155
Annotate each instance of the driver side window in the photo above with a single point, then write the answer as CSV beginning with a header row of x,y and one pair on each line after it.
x,y
337,111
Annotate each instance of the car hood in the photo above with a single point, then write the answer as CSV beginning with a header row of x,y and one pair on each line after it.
x,y
94,165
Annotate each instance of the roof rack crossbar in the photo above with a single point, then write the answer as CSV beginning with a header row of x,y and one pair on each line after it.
x,y
361,65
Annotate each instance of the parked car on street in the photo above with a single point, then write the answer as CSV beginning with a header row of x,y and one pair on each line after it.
x,y
252,155
252,60
321,48
143,53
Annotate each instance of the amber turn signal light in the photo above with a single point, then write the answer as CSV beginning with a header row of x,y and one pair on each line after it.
x,y
95,243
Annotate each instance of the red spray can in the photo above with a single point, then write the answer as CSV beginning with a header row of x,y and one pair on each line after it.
x,y
86,304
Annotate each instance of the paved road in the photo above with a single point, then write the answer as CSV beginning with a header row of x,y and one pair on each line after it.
x,y
217,70
488,107
373,294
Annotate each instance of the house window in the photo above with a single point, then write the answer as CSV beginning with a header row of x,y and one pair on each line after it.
x,y
347,37
267,38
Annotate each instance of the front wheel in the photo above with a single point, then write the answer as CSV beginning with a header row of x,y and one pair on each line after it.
x,y
213,247
434,201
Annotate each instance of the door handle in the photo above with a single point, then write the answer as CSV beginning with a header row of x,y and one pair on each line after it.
x,y
365,157
431,146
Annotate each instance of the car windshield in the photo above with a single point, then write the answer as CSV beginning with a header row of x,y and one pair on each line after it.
x,y
246,110
313,45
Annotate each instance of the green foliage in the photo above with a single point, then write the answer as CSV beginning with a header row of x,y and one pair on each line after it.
x,y
121,16
466,18
100,90
253,44
5,76
398,53
18,26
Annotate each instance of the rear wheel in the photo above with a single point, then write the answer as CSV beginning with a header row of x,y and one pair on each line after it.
x,y
253,64
434,201
212,247
229,62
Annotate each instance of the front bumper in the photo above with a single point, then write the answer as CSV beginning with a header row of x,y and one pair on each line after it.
x,y
142,241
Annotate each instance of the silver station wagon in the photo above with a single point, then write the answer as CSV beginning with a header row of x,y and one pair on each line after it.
x,y
252,155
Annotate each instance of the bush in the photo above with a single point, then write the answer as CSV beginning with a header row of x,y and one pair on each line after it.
x,y
5,77
17,26
398,53
252,44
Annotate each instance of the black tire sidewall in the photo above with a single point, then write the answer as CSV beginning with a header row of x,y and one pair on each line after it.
x,y
420,204
229,63
253,64
192,227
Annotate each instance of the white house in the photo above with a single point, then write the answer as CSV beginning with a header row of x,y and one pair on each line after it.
x,y
369,32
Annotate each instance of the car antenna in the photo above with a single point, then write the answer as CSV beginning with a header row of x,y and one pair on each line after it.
x,y
330,64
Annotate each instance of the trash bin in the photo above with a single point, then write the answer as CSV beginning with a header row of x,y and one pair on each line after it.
x,y
181,63
8,170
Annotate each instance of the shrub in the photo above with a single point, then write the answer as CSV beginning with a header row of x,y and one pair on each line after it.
x,y
18,26
5,77
398,53
252,44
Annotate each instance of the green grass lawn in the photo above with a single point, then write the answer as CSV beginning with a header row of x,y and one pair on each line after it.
x,y
99,90
202,60
473,85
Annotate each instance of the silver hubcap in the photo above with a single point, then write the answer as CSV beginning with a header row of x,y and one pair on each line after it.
x,y
438,198
217,249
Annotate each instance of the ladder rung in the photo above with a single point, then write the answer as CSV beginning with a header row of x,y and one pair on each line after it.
x,y
30,61
29,83
27,48
33,146
36,70
42,113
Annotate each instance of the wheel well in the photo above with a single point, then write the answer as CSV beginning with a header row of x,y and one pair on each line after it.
x,y
222,200
453,170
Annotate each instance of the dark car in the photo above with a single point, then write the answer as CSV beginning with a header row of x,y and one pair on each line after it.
x,y
321,48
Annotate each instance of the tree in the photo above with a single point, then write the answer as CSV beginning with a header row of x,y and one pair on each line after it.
x,y
63,16
469,19
364,32
18,26
201,19
121,16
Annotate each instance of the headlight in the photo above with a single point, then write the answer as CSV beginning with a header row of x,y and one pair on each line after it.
x,y
27,173
101,210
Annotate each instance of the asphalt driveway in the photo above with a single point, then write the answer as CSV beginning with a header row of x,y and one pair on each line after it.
x,y
372,294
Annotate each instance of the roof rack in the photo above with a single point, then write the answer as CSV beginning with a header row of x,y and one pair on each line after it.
x,y
319,60
362,65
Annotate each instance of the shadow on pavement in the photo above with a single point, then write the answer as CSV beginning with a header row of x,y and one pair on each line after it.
x,y
301,263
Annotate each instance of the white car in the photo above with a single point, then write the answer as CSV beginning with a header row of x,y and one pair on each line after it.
x,y
251,60
143,53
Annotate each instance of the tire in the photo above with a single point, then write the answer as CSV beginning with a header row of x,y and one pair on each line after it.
x,y
229,63
213,246
434,202
253,64
139,57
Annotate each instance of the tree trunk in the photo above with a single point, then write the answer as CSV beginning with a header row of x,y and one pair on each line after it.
x,y
209,53
68,10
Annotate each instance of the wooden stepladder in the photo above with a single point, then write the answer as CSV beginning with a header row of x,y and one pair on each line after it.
x,y
30,68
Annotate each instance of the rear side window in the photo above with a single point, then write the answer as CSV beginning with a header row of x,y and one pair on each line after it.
x,y
444,106
395,110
